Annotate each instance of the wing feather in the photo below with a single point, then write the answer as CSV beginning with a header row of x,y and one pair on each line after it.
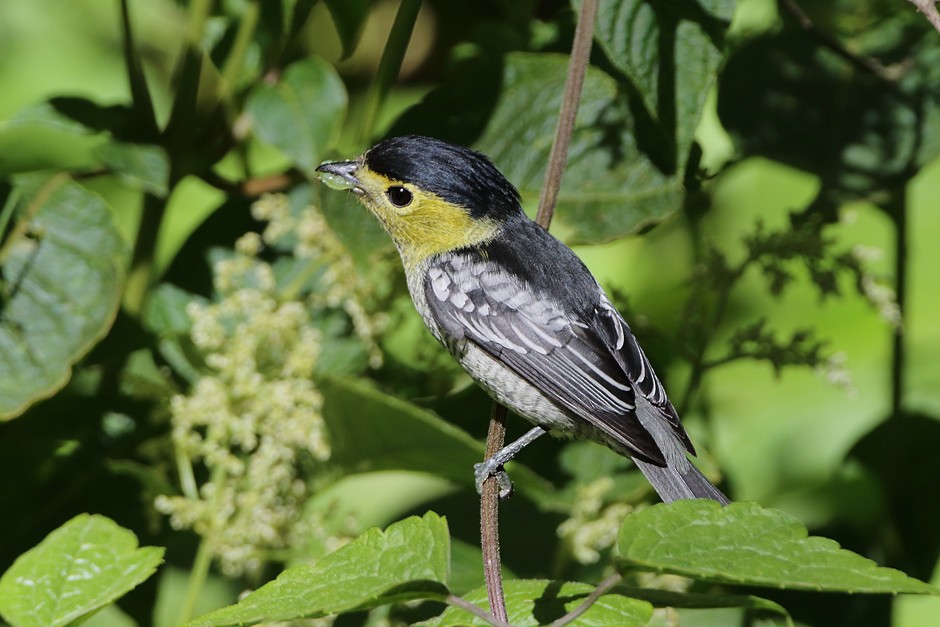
x,y
561,356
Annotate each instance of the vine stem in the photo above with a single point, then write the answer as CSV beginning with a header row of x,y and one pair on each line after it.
x,y
489,499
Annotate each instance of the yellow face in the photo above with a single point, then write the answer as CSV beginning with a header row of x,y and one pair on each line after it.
x,y
421,223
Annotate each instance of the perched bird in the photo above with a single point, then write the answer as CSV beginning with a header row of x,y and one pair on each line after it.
x,y
518,310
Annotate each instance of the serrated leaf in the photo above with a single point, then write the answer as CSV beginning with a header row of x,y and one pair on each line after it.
x,y
409,560
539,602
370,430
144,165
610,188
670,52
80,567
61,285
745,544
301,112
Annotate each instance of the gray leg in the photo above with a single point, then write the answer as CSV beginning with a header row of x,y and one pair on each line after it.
x,y
493,467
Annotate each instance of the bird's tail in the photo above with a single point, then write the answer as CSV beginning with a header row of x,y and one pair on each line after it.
x,y
672,484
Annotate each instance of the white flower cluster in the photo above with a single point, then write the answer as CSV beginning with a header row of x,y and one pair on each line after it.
x,y
250,417
316,240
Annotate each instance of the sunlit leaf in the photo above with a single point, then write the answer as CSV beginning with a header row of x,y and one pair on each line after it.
x,y
409,560
82,566
745,544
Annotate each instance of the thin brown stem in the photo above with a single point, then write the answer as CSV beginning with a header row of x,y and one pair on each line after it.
x,y
476,611
577,68
489,518
489,499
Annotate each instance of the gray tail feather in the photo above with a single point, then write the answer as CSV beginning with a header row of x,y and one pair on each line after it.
x,y
672,485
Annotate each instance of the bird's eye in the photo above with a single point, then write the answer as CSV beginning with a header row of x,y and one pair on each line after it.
x,y
399,196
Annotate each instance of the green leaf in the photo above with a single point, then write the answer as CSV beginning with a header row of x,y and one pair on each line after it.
x,y
610,188
860,134
370,430
301,113
539,602
409,560
144,165
41,137
745,544
62,270
670,52
80,567
349,16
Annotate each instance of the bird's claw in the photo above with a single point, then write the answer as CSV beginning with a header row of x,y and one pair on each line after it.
x,y
492,468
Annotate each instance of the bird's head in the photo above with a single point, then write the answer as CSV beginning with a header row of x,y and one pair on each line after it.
x,y
431,196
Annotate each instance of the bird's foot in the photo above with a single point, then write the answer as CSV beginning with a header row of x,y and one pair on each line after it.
x,y
493,468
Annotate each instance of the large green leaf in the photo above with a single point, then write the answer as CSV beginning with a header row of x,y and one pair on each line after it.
x,y
610,187
370,430
539,602
300,113
62,270
409,560
80,567
745,544
670,52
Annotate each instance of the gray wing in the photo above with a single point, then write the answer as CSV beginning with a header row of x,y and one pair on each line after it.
x,y
564,358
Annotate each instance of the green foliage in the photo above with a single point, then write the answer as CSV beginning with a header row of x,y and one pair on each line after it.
x,y
246,382
745,544
377,568
79,568
62,273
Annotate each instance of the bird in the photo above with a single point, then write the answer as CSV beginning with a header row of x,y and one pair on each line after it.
x,y
518,310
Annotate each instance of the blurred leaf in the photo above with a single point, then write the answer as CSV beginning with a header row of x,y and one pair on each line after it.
x,y
62,278
144,165
744,544
349,16
370,430
82,566
409,560
301,113
610,188
670,52
786,97
539,602
40,137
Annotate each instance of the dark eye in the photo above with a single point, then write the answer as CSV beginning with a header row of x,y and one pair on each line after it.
x,y
399,196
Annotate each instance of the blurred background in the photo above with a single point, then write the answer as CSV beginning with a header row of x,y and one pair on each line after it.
x,y
779,263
